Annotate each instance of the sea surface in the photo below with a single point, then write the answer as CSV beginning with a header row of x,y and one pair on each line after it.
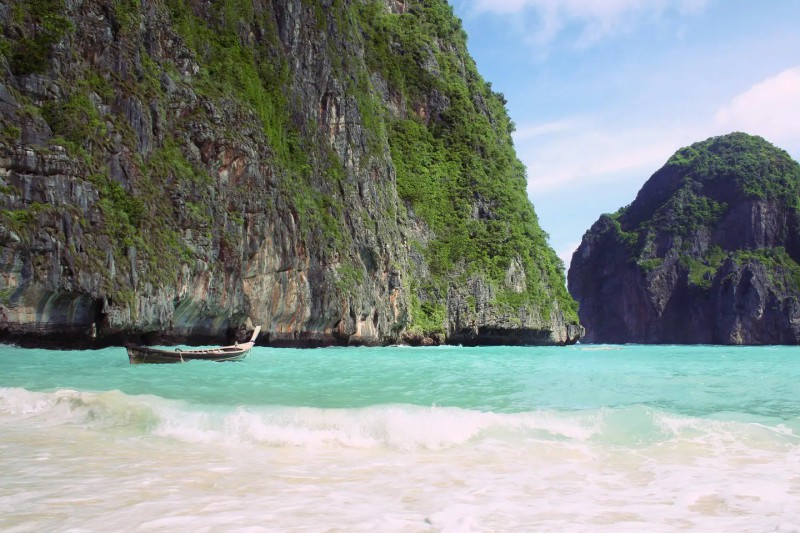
x,y
582,438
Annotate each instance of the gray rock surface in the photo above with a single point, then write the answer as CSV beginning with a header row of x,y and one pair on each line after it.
x,y
138,202
707,253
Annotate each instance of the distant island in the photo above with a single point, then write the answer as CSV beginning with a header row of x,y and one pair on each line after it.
x,y
341,174
708,252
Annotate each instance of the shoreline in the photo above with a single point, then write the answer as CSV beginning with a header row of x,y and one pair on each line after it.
x,y
70,340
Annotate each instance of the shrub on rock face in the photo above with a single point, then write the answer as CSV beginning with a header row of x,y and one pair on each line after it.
x,y
707,253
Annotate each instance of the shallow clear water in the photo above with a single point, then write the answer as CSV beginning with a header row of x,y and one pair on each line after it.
x,y
585,438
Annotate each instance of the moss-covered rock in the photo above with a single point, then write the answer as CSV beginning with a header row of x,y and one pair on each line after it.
x,y
336,172
709,252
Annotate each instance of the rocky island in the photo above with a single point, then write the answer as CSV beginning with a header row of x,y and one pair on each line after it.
x,y
707,253
337,172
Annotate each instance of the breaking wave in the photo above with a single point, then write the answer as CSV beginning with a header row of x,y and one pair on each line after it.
x,y
399,426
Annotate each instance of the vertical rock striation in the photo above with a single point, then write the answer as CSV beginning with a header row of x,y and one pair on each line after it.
x,y
707,253
181,171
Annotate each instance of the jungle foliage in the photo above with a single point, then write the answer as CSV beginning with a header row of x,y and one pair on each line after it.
x,y
688,198
452,149
449,141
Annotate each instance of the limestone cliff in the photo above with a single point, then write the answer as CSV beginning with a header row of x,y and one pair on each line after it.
x,y
707,253
335,171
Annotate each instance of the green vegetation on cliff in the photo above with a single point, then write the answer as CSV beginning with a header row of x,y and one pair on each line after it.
x,y
708,252
747,164
198,140
456,165
693,193
41,24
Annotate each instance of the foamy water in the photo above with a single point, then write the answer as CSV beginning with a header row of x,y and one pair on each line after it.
x,y
501,439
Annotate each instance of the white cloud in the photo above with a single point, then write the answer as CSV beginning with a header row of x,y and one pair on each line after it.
x,y
583,153
530,131
770,109
595,153
596,19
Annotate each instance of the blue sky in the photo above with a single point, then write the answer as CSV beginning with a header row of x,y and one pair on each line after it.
x,y
604,91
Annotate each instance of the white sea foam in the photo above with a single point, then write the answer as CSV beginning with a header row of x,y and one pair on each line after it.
x,y
70,407
401,427
101,461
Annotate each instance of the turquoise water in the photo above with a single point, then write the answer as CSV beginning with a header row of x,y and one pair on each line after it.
x,y
586,438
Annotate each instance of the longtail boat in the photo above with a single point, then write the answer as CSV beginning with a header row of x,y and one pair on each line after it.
x,y
235,352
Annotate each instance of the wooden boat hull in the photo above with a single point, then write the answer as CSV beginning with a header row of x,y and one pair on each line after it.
x,y
236,352
143,354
